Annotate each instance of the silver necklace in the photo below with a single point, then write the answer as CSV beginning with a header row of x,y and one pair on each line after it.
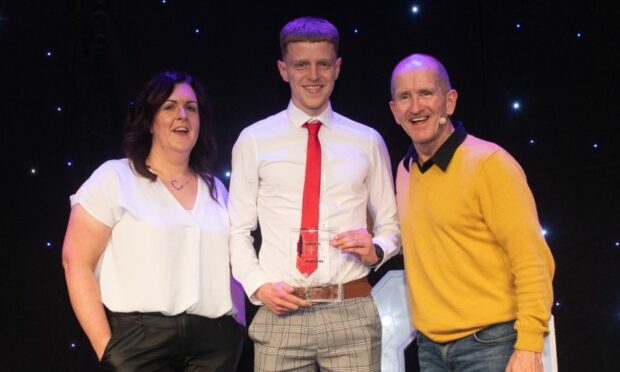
x,y
178,185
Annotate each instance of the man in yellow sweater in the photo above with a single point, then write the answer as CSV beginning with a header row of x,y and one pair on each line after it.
x,y
478,268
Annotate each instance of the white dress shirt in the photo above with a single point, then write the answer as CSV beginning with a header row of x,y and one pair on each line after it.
x,y
160,257
268,170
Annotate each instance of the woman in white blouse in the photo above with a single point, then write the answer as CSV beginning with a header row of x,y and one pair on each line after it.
x,y
146,248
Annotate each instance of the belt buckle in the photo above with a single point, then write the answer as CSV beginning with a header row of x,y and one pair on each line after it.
x,y
327,293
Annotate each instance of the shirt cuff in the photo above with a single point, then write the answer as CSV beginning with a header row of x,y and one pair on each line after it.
x,y
252,283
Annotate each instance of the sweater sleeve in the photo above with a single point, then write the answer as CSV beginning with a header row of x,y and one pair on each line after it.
x,y
510,212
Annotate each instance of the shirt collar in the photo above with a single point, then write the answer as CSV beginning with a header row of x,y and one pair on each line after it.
x,y
299,118
443,155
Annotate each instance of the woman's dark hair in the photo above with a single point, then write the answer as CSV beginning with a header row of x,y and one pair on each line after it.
x,y
137,136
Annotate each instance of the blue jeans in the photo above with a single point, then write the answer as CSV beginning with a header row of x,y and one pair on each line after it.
x,y
487,350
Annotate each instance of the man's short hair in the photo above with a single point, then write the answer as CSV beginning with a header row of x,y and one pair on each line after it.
x,y
310,29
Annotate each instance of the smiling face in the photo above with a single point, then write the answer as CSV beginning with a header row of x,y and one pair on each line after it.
x,y
419,100
177,123
311,69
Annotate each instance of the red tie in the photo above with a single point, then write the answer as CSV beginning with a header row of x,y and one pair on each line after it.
x,y
307,253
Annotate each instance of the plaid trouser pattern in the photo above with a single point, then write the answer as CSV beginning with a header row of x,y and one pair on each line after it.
x,y
340,336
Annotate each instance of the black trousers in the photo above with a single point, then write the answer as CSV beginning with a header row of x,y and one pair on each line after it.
x,y
184,342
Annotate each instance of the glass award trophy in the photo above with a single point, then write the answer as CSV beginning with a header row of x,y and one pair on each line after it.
x,y
314,265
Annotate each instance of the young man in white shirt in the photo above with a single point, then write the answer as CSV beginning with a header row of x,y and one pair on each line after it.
x,y
269,185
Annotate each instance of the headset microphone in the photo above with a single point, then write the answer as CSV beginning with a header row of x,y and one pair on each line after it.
x,y
442,120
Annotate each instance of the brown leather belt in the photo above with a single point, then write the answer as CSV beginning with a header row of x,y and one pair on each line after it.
x,y
355,288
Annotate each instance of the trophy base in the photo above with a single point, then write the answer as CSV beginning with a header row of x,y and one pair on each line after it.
x,y
328,293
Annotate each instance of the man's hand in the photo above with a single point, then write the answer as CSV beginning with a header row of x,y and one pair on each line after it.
x,y
523,360
279,298
358,242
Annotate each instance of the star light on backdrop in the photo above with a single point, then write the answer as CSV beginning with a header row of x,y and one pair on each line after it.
x,y
415,9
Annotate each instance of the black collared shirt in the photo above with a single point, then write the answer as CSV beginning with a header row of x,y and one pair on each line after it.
x,y
443,155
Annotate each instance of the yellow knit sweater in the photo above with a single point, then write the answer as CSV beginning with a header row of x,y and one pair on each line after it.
x,y
473,247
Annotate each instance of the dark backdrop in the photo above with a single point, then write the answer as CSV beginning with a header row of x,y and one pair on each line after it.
x,y
71,68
